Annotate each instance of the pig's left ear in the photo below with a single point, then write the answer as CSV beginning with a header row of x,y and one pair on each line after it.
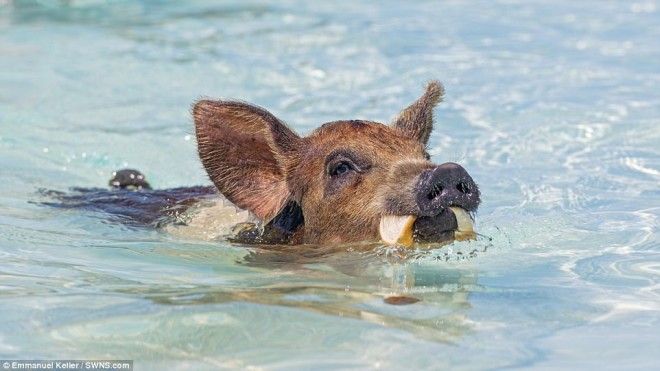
x,y
245,151
416,121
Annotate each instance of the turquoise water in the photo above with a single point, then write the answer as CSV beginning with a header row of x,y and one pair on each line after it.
x,y
553,107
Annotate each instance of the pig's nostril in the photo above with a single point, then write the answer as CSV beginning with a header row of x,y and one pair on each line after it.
x,y
463,188
435,192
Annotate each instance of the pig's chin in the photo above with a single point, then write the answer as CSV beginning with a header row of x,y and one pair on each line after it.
x,y
450,224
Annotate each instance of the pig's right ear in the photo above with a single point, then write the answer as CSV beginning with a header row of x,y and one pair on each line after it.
x,y
246,151
416,121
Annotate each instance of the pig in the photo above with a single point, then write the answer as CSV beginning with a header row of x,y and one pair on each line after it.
x,y
348,181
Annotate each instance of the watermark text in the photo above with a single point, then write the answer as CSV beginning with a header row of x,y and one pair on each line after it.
x,y
66,364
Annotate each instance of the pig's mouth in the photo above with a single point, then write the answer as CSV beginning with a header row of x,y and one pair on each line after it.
x,y
453,223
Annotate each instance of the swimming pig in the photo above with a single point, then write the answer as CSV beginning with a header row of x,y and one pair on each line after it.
x,y
347,181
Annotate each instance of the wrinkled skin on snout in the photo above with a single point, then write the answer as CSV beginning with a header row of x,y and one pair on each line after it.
x,y
347,181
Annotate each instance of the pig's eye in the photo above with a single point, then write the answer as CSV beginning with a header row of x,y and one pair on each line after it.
x,y
341,168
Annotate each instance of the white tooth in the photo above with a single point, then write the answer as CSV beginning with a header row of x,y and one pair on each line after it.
x,y
397,229
463,219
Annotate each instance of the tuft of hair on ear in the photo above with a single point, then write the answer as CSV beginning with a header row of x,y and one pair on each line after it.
x,y
416,120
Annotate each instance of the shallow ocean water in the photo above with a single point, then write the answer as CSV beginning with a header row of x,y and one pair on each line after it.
x,y
554,109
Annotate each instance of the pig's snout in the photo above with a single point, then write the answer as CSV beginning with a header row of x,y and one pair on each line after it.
x,y
445,186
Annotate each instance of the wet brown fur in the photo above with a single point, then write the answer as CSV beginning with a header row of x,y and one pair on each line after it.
x,y
260,165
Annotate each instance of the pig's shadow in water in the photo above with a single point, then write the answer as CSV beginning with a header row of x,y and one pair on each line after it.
x,y
359,282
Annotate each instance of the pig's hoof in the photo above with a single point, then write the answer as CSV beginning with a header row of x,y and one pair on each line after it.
x,y
128,179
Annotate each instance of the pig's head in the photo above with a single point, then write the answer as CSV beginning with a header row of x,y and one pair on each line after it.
x,y
347,181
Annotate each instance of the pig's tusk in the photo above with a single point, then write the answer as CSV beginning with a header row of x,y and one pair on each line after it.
x,y
397,229
465,229
463,219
